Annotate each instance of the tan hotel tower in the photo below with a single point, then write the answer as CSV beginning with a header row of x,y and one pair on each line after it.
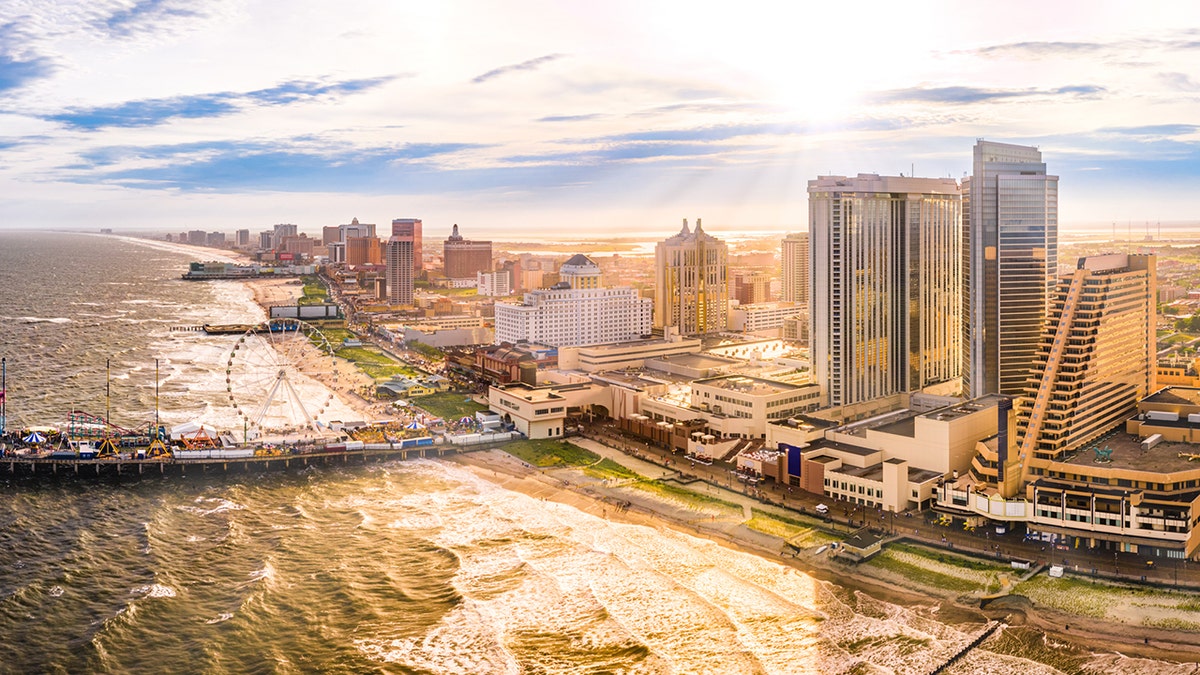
x,y
692,286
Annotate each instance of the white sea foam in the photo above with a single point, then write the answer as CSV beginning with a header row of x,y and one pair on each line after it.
x,y
154,591
533,568
55,592
207,508
223,616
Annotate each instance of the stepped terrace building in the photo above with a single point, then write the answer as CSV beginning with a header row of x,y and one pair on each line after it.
x,y
1096,358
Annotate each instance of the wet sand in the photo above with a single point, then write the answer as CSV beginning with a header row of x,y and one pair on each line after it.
x,y
952,608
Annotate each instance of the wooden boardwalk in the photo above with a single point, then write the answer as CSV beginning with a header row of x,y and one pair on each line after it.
x,y
112,466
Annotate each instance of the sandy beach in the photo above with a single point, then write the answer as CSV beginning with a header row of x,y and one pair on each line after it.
x,y
570,486
349,379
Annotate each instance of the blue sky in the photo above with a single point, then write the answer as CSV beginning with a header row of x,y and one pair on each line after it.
x,y
528,118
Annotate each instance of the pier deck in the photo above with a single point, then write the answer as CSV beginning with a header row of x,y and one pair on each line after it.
x,y
46,466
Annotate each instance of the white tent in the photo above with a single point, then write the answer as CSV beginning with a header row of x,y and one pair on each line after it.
x,y
191,429
35,437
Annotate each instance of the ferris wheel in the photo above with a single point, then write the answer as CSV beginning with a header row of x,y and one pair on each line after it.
x,y
280,375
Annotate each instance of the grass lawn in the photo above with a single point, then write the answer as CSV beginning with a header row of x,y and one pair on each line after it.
x,y
378,365
548,452
938,569
335,336
315,292
1143,605
795,530
449,405
680,493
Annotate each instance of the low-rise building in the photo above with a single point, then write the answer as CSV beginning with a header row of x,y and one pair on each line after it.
x,y
762,316
896,461
632,354
541,412
734,406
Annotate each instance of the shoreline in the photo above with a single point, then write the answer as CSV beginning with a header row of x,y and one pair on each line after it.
x,y
1096,636
268,292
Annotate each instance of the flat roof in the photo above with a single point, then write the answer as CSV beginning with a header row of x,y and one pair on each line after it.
x,y
1127,453
747,384
902,427
683,343
842,447
633,379
805,420
1177,395
966,407
698,360
903,422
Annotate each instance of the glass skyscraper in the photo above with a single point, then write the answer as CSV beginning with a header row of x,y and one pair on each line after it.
x,y
1010,260
885,274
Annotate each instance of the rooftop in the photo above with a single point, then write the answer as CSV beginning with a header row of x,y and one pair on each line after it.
x,y
698,361
1127,454
1176,395
747,385
903,422
634,379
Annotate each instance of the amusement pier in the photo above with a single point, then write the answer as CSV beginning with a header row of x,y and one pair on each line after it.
x,y
273,375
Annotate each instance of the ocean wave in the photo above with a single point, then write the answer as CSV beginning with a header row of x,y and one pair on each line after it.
x,y
222,505
222,617
153,591
39,319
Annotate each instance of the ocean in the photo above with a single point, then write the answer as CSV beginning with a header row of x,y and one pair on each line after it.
x,y
400,567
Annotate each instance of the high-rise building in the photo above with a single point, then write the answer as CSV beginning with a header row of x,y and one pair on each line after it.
x,y
363,251
411,228
794,264
464,258
1096,356
1010,259
266,239
575,312
885,279
751,288
331,234
494,283
400,249
241,238
692,287
285,230
298,245
355,229
197,237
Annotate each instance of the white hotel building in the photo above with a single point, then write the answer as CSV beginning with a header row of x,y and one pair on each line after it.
x,y
576,311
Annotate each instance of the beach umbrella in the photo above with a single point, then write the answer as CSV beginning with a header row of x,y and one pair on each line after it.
x,y
35,437
412,425
465,420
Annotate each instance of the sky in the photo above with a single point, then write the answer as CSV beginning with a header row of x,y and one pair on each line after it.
x,y
576,119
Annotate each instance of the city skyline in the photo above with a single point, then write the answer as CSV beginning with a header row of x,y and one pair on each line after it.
x,y
526,119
